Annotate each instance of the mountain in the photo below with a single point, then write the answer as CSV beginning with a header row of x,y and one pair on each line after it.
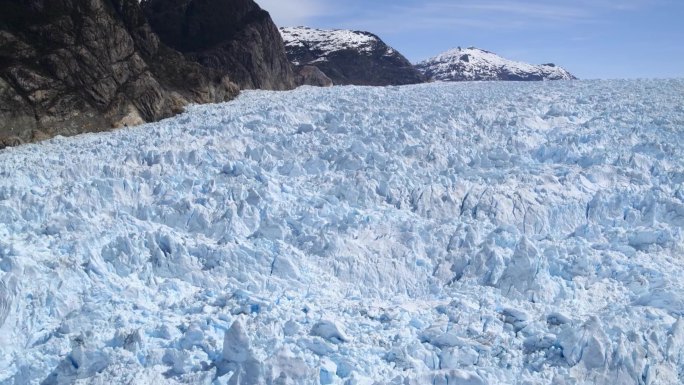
x,y
349,57
235,36
477,64
68,67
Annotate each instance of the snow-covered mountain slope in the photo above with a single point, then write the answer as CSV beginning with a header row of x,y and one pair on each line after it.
x,y
349,57
477,64
328,42
461,233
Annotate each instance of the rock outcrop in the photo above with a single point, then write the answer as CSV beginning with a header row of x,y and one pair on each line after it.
x,y
312,76
477,64
68,67
235,36
73,66
349,57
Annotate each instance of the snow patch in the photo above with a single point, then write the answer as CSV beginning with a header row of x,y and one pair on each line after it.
x,y
324,42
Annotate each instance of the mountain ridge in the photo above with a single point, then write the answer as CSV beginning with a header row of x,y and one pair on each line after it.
x,y
473,64
69,67
349,57
235,36
355,57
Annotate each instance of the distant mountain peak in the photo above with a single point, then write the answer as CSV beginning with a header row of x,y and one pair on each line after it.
x,y
349,56
324,42
472,63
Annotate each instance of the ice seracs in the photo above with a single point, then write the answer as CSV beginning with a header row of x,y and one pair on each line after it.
x,y
463,64
460,233
238,359
236,343
330,330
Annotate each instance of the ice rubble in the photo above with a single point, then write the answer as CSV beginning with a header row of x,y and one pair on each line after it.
x,y
443,233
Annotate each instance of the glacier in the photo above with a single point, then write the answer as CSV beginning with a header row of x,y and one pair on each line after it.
x,y
444,233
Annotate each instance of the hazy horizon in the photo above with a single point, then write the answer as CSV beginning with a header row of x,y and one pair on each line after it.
x,y
592,39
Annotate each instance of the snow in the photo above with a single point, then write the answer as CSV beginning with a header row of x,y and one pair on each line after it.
x,y
324,42
460,233
477,64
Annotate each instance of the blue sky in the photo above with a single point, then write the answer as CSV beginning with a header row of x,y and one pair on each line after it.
x,y
591,38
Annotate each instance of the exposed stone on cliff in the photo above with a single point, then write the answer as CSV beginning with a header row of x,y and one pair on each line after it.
x,y
235,36
73,66
311,76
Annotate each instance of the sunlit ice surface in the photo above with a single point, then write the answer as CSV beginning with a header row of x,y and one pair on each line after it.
x,y
460,233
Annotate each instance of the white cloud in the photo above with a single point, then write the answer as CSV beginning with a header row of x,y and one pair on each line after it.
x,y
294,12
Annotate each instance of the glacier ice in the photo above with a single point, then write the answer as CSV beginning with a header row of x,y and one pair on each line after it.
x,y
464,233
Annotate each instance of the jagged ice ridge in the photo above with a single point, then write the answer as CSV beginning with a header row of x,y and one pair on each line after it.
x,y
461,233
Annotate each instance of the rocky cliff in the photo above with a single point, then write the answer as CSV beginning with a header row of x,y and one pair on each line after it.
x,y
312,76
349,57
236,36
477,64
73,66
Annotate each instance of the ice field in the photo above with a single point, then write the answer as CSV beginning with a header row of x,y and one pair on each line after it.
x,y
463,233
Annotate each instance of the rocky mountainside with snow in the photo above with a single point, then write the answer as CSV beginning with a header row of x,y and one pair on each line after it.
x,y
477,64
68,67
349,57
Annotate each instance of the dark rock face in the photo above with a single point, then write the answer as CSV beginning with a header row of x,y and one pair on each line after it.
x,y
73,66
235,36
349,57
312,76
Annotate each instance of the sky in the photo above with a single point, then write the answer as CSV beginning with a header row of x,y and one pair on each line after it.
x,y
607,39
